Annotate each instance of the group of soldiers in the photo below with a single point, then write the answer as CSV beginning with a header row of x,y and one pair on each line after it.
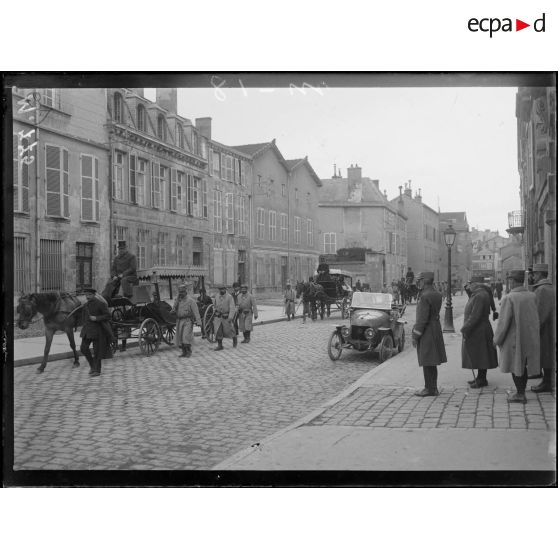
x,y
525,333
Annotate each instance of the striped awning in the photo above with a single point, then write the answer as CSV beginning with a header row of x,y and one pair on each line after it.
x,y
163,272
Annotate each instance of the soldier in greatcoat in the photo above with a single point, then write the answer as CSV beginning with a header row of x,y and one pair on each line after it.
x,y
546,306
290,296
124,268
95,330
225,311
247,309
427,335
477,348
517,334
187,314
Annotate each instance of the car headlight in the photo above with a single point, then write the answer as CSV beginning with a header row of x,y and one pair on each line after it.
x,y
345,331
369,333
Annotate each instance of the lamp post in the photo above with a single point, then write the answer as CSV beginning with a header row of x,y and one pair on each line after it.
x,y
449,238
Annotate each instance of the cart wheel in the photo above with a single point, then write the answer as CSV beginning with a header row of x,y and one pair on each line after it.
x,y
334,347
117,315
401,344
386,348
168,334
149,337
208,323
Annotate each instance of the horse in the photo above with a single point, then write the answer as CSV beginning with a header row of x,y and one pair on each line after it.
x,y
408,292
312,296
58,315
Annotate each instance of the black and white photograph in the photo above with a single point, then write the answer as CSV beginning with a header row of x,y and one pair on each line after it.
x,y
284,274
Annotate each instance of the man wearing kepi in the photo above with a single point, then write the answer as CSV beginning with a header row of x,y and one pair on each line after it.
x,y
477,348
187,315
247,309
546,305
427,334
517,334
225,311
95,330
124,268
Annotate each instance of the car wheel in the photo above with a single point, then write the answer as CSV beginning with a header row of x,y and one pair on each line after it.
x,y
334,347
385,349
401,344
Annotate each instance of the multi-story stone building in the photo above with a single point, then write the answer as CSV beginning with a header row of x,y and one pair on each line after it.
x,y
354,214
489,243
423,232
283,202
536,147
60,189
461,252
160,201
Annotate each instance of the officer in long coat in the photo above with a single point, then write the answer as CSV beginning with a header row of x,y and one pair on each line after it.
x,y
124,268
477,348
95,330
290,296
517,334
546,306
427,335
187,314
225,312
247,309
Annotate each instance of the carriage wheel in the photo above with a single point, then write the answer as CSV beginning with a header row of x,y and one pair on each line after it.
x,y
386,348
335,346
208,323
117,315
401,344
149,337
168,334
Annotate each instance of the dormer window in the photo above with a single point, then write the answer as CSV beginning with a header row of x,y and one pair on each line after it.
x,y
141,119
118,107
161,128
180,136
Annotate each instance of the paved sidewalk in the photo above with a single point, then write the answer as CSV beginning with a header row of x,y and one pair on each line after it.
x,y
379,424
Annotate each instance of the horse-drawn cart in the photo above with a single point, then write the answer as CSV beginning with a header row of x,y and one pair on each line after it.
x,y
337,290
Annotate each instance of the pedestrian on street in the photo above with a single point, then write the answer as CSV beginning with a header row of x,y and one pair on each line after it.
x,y
358,286
499,287
187,314
124,268
96,330
290,296
517,334
223,322
427,334
546,306
477,345
235,293
247,310
490,293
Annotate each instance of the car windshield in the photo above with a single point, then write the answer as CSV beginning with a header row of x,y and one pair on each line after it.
x,y
379,301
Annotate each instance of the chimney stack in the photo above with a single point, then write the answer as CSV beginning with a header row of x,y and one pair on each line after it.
x,y
167,99
334,171
408,191
354,175
203,126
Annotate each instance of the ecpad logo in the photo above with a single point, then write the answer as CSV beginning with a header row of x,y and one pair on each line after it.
x,y
493,25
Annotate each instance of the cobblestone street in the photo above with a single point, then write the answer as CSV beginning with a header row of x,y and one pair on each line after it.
x,y
165,412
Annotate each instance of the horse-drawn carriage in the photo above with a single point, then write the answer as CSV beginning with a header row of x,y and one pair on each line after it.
x,y
336,287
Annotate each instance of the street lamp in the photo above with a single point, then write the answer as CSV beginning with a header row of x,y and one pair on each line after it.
x,y
449,239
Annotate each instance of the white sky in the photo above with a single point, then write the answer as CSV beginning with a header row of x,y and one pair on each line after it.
x,y
457,144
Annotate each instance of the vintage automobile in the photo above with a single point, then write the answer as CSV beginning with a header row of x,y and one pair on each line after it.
x,y
375,325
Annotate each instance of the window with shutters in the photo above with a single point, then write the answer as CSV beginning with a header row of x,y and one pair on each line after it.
x,y
143,241
141,180
164,186
141,118
180,249
181,192
272,225
260,223
229,169
57,181
84,265
155,186
174,191
242,223
330,243
21,172
216,163
196,201
89,188
309,232
229,213
161,127
50,266
118,108
162,248
205,211
218,211
297,230
197,250
118,176
189,194
22,270
284,227
49,97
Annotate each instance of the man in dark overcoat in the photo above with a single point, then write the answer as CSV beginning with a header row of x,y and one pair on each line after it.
x,y
124,268
477,348
546,305
427,334
95,330
225,311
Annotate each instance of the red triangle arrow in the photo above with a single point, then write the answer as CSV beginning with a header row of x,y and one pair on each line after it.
x,y
519,25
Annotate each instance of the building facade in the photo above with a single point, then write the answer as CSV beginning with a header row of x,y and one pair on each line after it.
x,y
60,189
492,242
283,209
354,214
536,147
461,252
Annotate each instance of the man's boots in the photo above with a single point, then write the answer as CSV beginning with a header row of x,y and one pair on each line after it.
x,y
480,380
546,383
434,381
520,384
246,337
123,346
430,382
184,352
219,345
235,341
